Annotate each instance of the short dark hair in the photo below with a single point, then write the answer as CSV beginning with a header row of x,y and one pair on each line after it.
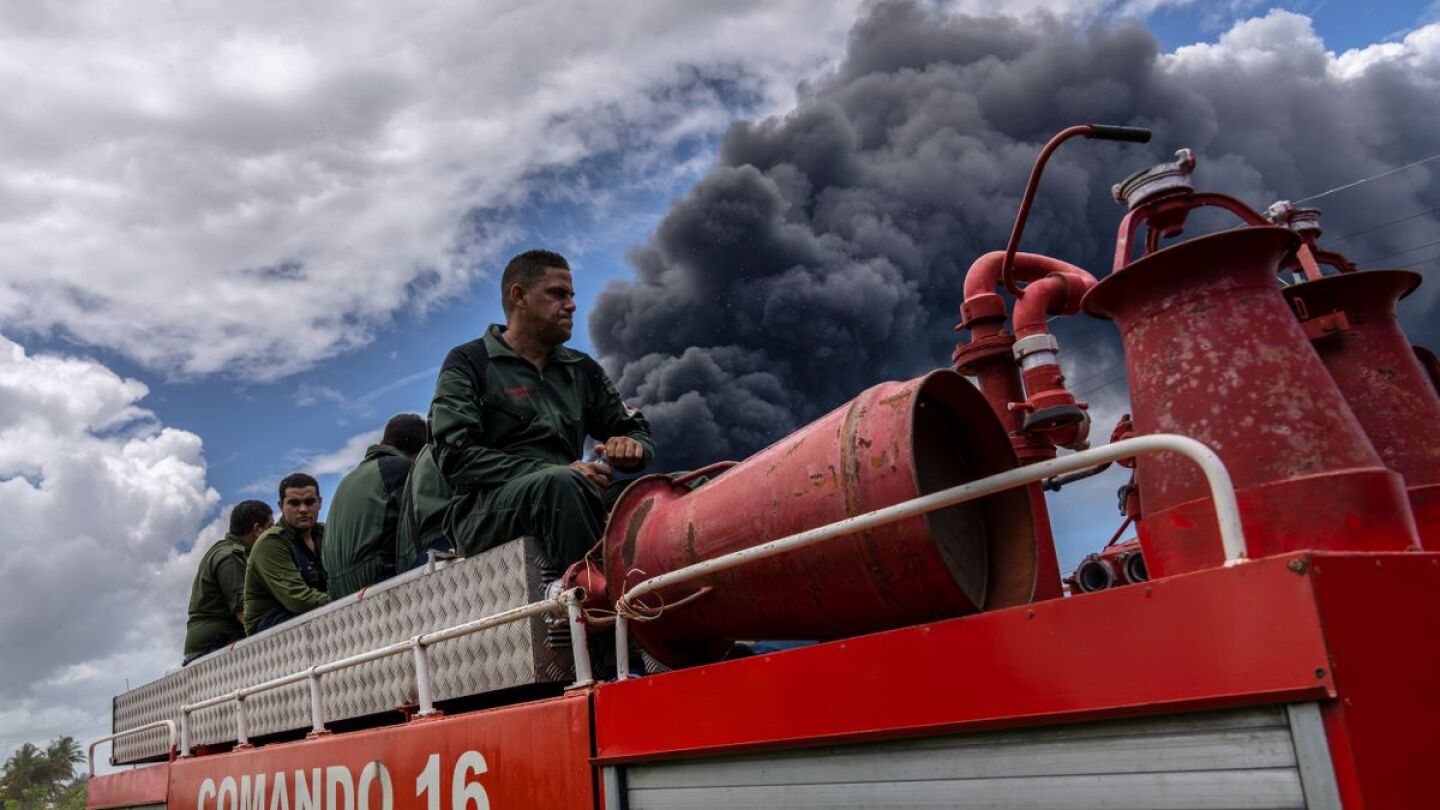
x,y
298,480
526,269
405,432
247,514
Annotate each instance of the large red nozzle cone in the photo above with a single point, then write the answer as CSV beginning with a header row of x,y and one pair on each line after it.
x,y
894,442
1380,375
1213,352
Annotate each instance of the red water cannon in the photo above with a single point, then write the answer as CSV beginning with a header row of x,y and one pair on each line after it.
x,y
1350,318
1212,351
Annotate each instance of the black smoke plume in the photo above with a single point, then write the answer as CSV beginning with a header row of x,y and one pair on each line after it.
x,y
826,249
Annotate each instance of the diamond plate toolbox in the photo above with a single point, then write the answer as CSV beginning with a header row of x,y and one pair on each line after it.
x,y
419,601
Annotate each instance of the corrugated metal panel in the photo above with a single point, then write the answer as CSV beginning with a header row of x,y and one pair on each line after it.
x,y
1221,760
417,602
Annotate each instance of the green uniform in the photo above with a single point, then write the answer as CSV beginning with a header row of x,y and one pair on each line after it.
x,y
360,529
422,512
283,577
504,444
216,596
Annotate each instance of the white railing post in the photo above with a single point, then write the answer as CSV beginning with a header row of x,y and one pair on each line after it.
x,y
579,644
184,731
317,704
242,721
622,647
422,678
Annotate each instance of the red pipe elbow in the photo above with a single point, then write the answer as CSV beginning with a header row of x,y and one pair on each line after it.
x,y
1058,293
1055,287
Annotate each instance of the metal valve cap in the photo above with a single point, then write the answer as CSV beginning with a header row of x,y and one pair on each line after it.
x,y
1162,179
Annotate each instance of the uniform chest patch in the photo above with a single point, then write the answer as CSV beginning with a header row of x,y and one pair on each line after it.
x,y
519,393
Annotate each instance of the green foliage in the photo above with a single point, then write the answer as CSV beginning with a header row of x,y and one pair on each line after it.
x,y
35,779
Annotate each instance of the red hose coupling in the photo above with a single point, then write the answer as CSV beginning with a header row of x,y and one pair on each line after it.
x,y
1117,565
1049,408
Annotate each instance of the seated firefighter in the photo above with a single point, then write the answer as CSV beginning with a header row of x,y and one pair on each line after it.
x,y
217,597
365,509
510,416
285,575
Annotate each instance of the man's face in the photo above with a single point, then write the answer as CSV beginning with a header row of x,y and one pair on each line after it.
x,y
549,305
300,506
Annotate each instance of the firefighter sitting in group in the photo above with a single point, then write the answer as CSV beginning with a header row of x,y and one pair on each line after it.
x,y
510,416
284,575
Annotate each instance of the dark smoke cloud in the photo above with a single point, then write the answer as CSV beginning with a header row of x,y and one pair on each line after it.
x,y
826,250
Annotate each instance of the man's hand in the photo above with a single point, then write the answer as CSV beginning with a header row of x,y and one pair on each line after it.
x,y
597,474
622,452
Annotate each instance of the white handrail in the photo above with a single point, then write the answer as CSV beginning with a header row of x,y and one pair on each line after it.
x,y
1222,490
166,724
567,602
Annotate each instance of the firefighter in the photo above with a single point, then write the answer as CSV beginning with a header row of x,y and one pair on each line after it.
x,y
510,416
217,596
285,575
360,530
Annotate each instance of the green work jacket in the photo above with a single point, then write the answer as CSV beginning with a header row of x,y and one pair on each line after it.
x,y
422,512
216,595
359,545
521,419
273,580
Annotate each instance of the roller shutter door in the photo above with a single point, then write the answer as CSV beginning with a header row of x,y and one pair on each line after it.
x,y
1255,759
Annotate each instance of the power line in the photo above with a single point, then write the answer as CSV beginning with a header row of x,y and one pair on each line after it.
x,y
1381,225
1400,252
1416,264
1095,389
1098,388
1367,179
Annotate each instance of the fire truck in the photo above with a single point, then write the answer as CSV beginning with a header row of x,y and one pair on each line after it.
x,y
1270,638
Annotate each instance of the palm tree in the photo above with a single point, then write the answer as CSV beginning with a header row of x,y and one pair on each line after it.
x,y
36,778
61,757
23,770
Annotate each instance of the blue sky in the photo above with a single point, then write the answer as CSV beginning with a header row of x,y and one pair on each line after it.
x,y
280,236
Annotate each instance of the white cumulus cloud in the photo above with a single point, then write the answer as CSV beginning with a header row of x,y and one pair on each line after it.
x,y
96,494
253,187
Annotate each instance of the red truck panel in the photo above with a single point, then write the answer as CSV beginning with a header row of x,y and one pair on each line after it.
x,y
128,788
533,756
1382,622
1221,637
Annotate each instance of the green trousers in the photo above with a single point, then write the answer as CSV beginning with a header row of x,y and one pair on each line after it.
x,y
556,505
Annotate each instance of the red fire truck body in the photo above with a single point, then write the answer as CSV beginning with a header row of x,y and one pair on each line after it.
x,y
1350,634
1304,673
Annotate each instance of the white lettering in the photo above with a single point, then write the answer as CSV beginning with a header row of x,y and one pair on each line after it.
x,y
279,797
462,791
228,787
338,777
427,784
307,798
207,788
256,800
375,772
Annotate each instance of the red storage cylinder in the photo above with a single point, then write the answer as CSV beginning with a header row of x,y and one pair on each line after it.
x,y
1213,352
1380,375
894,442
